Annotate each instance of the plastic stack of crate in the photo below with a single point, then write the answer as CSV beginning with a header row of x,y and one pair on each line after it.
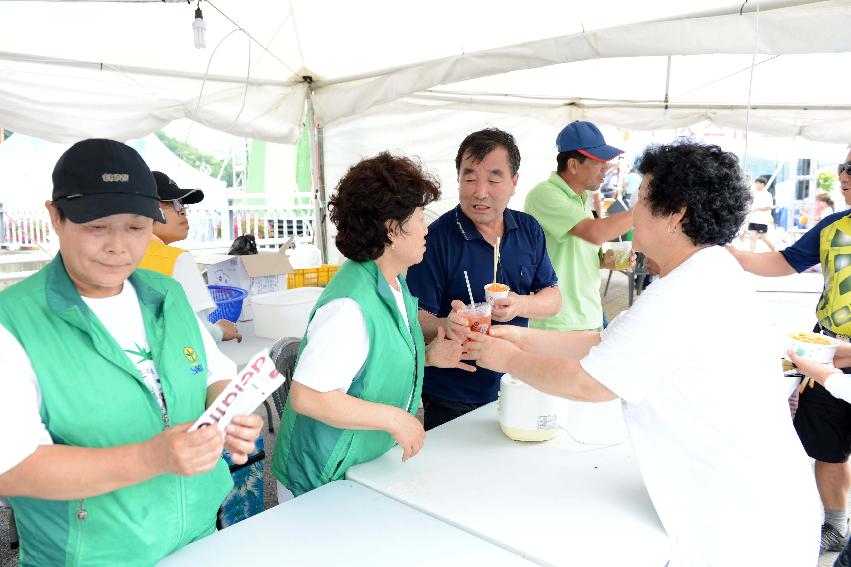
x,y
312,277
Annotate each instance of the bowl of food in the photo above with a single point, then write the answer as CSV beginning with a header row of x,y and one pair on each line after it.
x,y
494,291
812,346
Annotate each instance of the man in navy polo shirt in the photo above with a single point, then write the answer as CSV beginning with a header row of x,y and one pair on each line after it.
x,y
463,239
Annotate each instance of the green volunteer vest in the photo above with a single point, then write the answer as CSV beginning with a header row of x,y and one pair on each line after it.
x,y
93,396
310,453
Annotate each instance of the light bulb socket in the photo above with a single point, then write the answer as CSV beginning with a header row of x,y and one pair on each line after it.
x,y
198,14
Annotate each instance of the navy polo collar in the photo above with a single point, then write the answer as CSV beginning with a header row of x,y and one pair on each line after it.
x,y
470,232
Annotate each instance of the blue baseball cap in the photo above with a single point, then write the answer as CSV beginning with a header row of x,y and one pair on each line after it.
x,y
586,139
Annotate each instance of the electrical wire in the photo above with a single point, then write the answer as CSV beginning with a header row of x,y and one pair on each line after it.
x,y
725,77
275,35
244,92
251,37
297,36
206,73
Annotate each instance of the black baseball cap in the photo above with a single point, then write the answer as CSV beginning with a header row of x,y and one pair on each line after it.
x,y
98,178
167,190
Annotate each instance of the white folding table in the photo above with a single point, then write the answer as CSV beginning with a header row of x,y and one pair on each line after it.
x,y
251,344
342,523
556,503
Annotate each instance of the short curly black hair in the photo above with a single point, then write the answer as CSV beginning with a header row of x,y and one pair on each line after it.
x,y
376,190
703,179
479,144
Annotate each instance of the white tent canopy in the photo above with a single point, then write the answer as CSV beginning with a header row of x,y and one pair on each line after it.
x,y
70,70
26,166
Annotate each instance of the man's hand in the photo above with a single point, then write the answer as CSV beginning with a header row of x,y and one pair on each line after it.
x,y
490,352
229,330
506,309
240,436
608,260
408,432
445,353
174,451
454,324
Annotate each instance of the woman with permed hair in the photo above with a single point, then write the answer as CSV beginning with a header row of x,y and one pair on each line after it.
x,y
693,362
359,376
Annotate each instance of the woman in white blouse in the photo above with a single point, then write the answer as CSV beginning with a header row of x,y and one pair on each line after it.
x,y
706,412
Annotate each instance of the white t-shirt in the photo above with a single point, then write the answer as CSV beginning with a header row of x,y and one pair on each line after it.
x,y
705,405
21,399
338,327
761,199
186,272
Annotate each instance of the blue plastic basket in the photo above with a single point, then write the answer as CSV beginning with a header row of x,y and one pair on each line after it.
x,y
228,302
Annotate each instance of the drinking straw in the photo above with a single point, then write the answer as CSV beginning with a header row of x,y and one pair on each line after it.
x,y
495,258
469,290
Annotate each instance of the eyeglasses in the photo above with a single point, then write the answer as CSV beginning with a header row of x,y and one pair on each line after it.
x,y
178,205
846,167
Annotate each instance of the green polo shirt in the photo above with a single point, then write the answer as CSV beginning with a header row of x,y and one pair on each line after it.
x,y
576,261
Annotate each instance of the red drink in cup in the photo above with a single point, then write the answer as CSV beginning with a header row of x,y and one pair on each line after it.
x,y
478,317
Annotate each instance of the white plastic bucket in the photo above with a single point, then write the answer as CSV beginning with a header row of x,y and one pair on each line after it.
x,y
284,313
525,414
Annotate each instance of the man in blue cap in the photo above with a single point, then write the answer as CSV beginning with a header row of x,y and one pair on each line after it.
x,y
573,235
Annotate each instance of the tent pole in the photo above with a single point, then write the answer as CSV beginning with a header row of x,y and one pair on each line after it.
x,y
667,84
318,173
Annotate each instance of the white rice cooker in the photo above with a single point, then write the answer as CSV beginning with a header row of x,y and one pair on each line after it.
x,y
526,414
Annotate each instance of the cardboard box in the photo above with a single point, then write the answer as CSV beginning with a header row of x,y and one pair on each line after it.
x,y
257,273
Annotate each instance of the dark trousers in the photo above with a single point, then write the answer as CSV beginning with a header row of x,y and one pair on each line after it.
x,y
437,411
844,557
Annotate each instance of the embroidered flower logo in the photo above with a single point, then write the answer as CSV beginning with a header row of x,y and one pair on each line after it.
x,y
192,356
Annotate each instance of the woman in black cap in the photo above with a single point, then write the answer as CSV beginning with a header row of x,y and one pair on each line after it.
x,y
105,369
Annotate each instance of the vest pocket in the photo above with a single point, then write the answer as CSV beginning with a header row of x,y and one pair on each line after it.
x,y
337,466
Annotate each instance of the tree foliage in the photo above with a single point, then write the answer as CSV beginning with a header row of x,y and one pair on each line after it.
x,y
825,181
199,160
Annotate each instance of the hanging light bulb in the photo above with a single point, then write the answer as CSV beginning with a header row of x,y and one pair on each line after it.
x,y
199,27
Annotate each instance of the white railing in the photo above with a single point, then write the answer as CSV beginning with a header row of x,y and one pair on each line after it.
x,y
209,228
24,228
270,226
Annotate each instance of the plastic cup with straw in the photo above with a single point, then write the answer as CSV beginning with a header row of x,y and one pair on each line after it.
x,y
469,290
478,315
